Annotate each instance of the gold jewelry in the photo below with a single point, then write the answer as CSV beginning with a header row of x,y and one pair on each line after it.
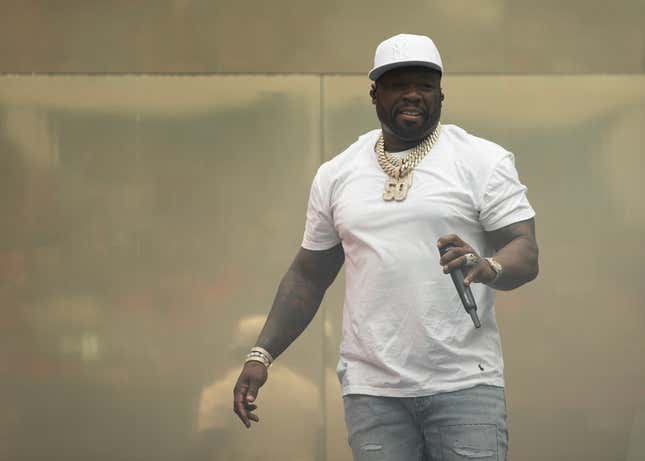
x,y
399,170
471,259
497,268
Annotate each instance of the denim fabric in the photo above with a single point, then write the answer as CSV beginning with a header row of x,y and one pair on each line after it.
x,y
469,424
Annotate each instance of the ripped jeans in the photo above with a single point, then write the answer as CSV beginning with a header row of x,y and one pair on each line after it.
x,y
469,424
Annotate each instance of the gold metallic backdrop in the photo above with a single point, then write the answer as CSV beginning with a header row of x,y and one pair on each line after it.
x,y
145,225
331,36
146,222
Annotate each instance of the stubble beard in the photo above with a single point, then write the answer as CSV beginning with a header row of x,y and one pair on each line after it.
x,y
411,134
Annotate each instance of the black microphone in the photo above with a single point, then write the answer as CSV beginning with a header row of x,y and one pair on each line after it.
x,y
465,294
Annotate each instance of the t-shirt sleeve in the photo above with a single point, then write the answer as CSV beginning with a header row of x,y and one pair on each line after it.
x,y
320,233
504,201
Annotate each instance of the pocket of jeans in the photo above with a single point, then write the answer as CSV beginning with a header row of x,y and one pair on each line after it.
x,y
469,441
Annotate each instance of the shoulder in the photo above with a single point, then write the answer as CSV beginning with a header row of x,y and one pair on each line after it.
x,y
474,150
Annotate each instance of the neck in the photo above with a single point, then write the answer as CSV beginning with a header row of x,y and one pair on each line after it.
x,y
395,144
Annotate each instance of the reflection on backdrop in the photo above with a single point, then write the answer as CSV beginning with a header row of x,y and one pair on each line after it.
x,y
146,222
143,218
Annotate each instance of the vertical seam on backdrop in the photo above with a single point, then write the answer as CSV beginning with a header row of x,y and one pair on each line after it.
x,y
323,386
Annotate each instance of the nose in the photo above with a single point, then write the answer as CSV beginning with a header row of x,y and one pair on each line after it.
x,y
411,93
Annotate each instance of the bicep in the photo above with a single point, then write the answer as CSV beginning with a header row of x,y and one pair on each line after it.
x,y
319,266
499,238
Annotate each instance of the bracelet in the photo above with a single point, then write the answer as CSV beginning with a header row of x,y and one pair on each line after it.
x,y
262,351
497,268
259,354
257,358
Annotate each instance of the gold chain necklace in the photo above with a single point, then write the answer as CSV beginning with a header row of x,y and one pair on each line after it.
x,y
399,170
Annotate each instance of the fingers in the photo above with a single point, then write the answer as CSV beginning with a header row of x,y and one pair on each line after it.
x,y
453,264
252,392
244,411
450,255
239,404
481,273
253,376
474,274
249,409
242,405
450,239
459,248
455,258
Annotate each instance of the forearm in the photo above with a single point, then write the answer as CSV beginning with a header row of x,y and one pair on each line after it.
x,y
519,260
295,305
299,295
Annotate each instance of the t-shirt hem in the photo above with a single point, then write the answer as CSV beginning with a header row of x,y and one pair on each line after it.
x,y
418,392
510,220
318,246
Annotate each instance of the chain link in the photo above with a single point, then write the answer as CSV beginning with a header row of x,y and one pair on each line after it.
x,y
396,167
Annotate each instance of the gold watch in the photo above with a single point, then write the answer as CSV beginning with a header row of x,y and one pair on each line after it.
x,y
497,268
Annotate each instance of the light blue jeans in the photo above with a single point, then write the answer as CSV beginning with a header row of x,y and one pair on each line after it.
x,y
454,426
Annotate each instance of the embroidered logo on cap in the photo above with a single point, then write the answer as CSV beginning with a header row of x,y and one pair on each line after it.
x,y
400,50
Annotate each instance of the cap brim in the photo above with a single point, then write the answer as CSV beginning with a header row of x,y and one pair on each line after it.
x,y
378,71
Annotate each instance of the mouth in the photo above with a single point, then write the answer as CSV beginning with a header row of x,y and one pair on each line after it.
x,y
410,114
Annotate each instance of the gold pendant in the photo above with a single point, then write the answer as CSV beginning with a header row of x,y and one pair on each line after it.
x,y
397,189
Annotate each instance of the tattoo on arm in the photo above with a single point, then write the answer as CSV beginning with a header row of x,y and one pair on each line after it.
x,y
299,296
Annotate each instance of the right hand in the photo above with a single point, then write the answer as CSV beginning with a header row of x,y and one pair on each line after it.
x,y
253,376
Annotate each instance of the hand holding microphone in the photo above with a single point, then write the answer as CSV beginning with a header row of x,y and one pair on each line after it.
x,y
457,255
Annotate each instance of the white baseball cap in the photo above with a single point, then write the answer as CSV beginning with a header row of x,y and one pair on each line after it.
x,y
405,50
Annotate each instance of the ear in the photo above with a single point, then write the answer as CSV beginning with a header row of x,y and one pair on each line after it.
x,y
373,93
442,96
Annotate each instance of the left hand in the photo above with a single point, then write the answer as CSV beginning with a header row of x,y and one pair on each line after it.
x,y
480,272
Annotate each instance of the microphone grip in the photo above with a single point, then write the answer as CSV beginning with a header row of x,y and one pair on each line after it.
x,y
465,294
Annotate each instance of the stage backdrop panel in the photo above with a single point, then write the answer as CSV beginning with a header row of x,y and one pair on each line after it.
x,y
332,36
146,222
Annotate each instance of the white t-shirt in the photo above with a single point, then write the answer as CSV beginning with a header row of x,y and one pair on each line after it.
x,y
405,331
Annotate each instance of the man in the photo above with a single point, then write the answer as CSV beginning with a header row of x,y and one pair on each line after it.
x,y
419,380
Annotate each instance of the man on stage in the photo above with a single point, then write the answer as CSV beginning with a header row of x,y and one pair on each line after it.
x,y
419,381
